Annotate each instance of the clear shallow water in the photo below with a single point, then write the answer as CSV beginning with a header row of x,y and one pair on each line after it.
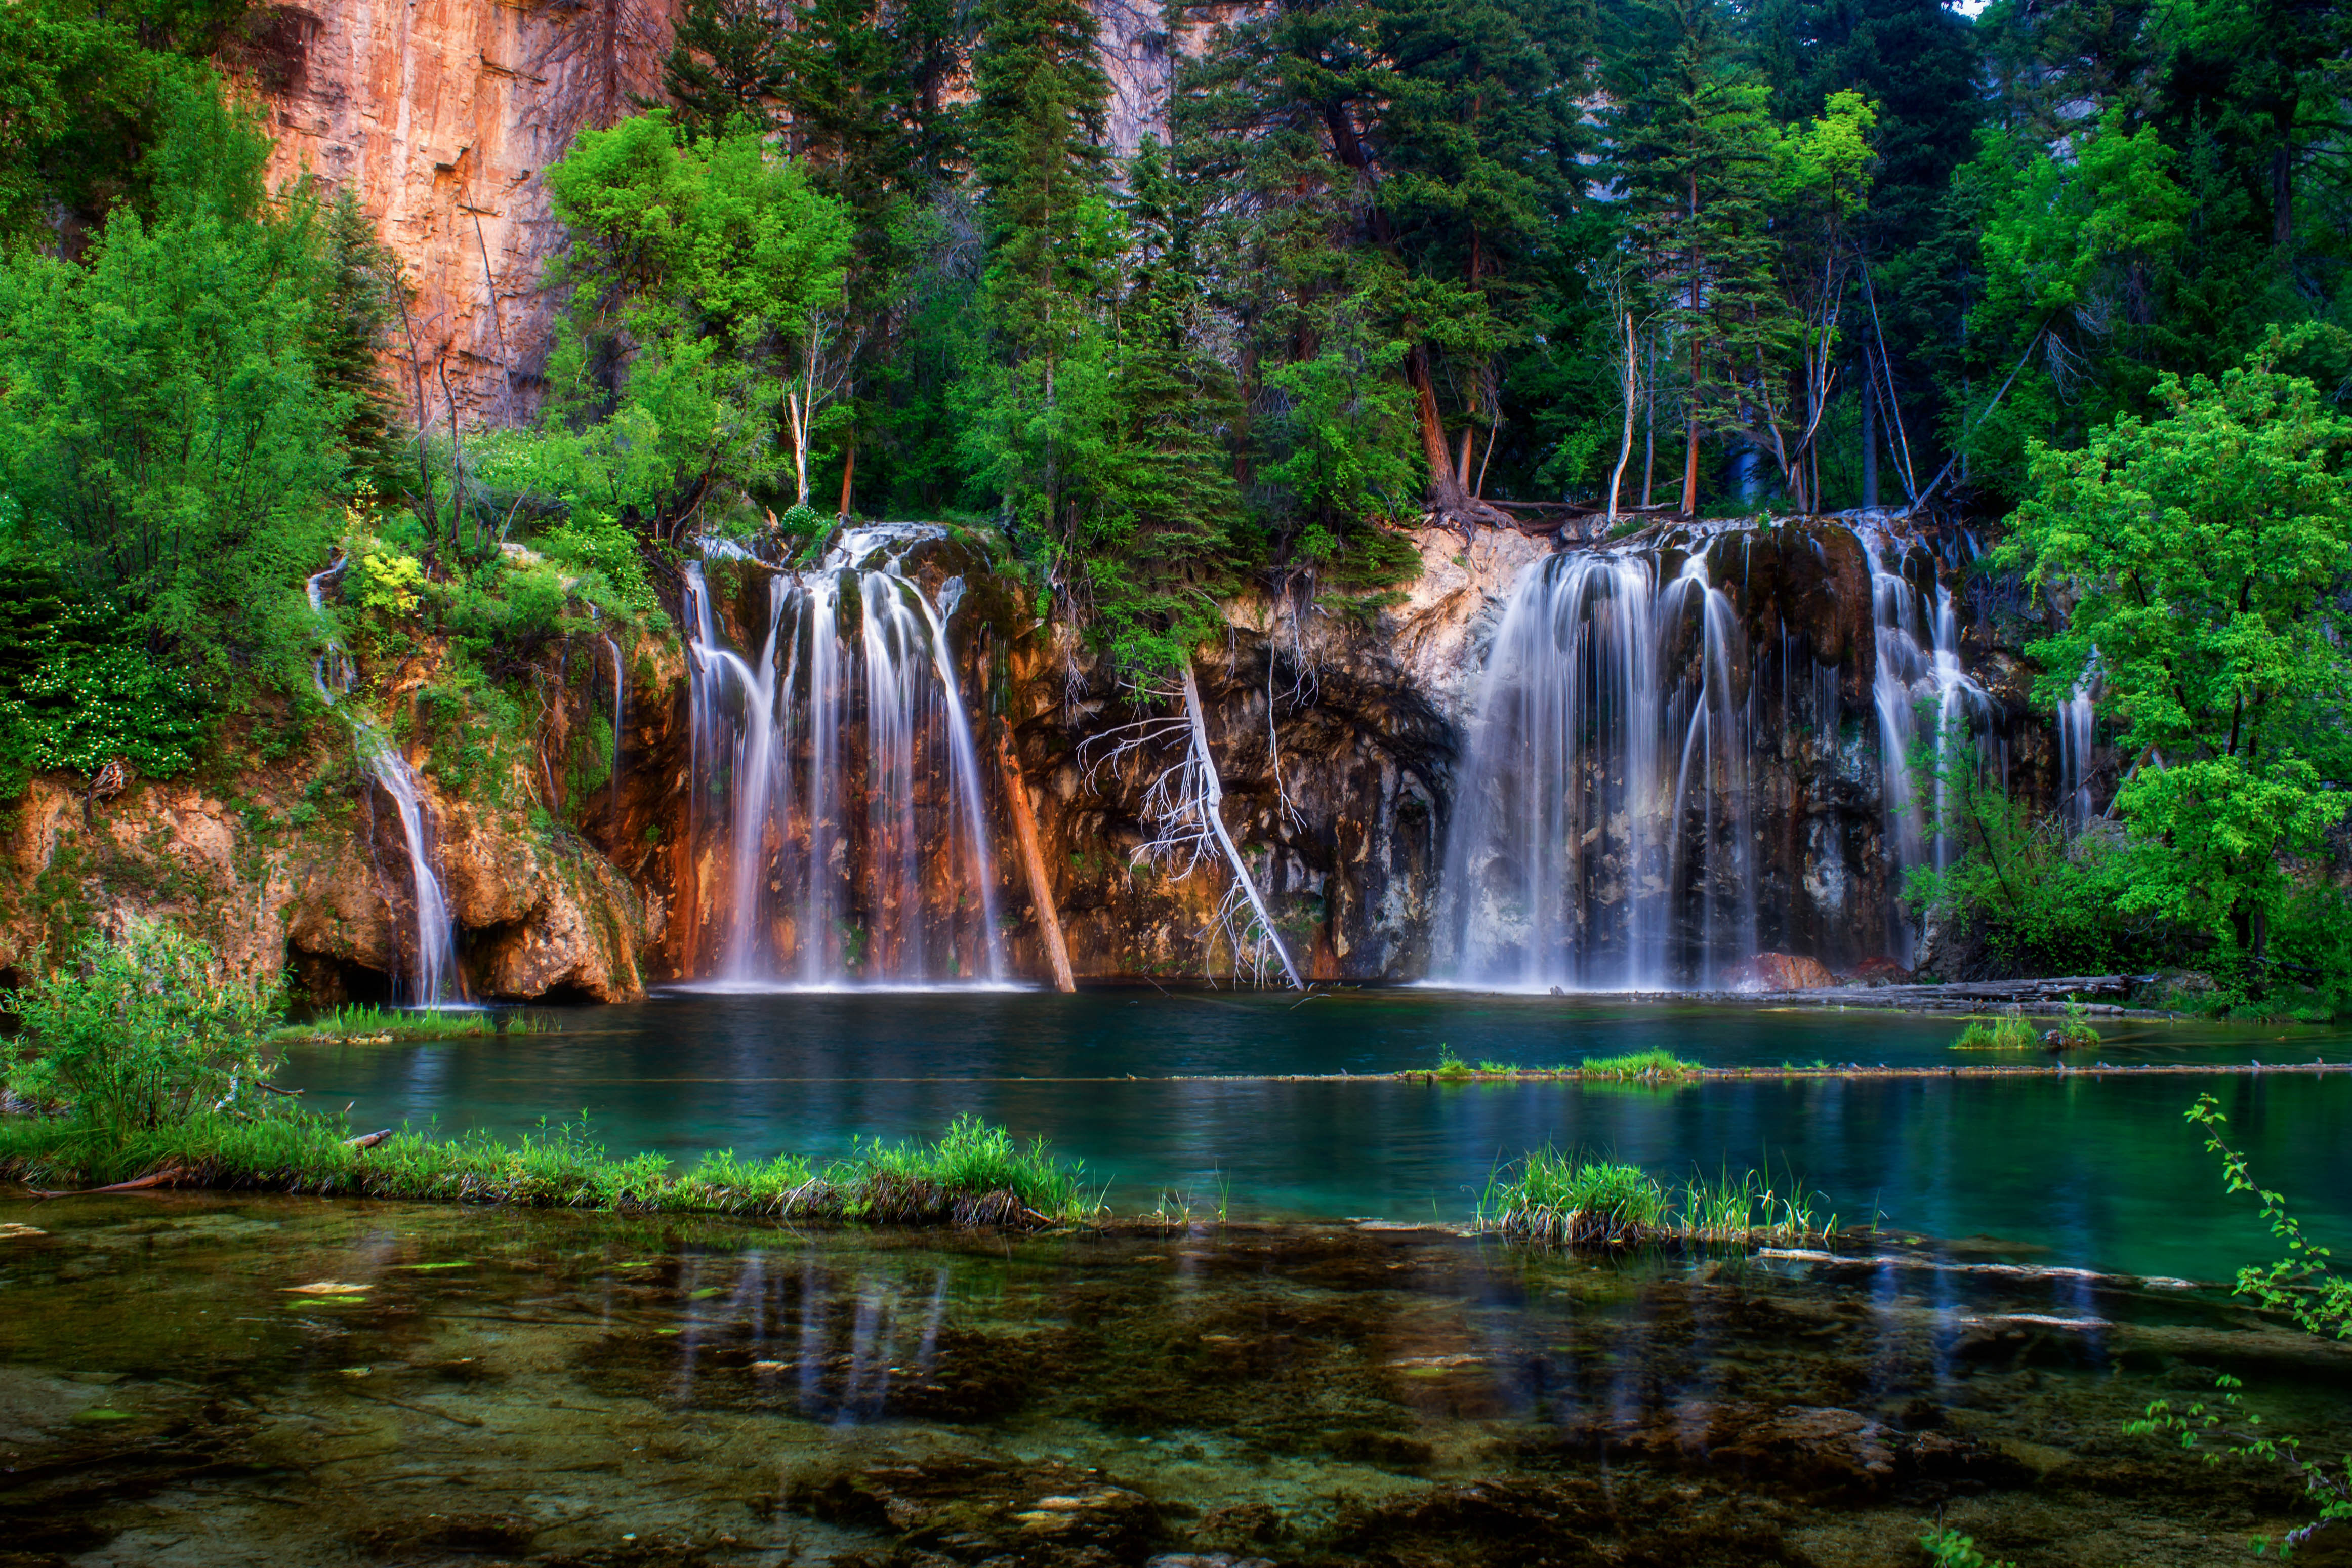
x,y
585,1389
2085,1171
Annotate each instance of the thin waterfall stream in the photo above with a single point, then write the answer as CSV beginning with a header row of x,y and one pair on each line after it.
x,y
836,783
437,978
1925,701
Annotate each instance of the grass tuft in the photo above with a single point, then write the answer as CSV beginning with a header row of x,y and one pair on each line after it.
x,y
1653,1066
1567,1200
2009,1033
1570,1201
363,1026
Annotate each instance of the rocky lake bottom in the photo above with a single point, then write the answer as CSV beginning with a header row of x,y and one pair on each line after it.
x,y
217,1380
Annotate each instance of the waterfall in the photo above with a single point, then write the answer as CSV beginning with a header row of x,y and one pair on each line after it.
x,y
620,707
837,774
437,975
1601,836
1918,674
2077,732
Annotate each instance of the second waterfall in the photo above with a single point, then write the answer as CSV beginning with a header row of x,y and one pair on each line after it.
x,y
841,823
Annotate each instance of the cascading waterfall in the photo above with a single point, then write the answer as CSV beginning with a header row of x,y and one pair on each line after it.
x,y
437,979
1601,836
839,770
1918,677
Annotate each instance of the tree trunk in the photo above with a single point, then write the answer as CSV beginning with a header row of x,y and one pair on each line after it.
x,y
1445,492
848,474
1690,440
1033,861
1869,436
1650,422
1449,488
1625,439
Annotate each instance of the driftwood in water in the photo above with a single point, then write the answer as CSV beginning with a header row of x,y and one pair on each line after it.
x,y
1033,861
163,1178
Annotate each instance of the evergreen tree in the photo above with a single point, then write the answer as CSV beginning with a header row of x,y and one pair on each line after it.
x,y
725,62
1156,540
862,96
1478,135
1039,153
1691,145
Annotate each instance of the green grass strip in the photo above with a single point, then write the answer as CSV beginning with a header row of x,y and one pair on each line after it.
x,y
972,1174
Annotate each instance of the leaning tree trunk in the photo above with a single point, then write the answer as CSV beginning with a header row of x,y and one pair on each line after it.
x,y
1449,493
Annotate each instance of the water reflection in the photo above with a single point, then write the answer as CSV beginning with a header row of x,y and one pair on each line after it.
x,y
2098,1172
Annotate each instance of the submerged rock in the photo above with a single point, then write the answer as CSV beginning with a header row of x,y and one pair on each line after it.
x,y
958,1509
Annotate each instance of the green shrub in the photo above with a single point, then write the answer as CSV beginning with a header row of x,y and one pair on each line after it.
x,y
1950,1549
139,1033
2041,897
2075,1031
2305,1285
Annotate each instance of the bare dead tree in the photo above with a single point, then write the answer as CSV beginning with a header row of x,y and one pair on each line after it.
x,y
1184,806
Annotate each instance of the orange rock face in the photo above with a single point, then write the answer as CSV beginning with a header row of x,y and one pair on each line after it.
x,y
1778,972
442,116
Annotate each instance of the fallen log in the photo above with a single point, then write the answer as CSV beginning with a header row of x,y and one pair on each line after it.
x,y
2102,991
162,1178
368,1140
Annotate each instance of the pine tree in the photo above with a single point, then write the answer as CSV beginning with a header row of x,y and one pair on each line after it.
x,y
1691,146
1479,136
725,64
1156,539
1038,149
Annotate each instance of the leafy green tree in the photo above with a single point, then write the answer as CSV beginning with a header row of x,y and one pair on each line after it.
x,y
1821,194
2207,549
2076,240
166,441
704,279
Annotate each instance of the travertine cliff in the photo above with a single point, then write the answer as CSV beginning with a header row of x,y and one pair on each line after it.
x,y
442,116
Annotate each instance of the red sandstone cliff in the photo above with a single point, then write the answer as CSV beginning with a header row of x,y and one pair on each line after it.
x,y
442,115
